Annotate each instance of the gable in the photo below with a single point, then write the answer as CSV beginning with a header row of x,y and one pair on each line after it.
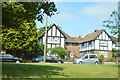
x,y
54,31
103,36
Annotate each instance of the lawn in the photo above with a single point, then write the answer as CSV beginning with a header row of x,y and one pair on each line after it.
x,y
47,70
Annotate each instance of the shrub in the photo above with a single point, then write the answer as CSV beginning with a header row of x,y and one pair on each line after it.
x,y
112,59
68,59
59,51
101,58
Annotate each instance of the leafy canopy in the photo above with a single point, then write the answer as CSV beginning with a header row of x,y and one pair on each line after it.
x,y
18,24
58,51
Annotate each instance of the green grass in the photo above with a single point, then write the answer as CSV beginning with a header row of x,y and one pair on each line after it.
x,y
47,70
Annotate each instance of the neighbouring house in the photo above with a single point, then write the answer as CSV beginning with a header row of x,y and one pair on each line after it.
x,y
99,42
56,37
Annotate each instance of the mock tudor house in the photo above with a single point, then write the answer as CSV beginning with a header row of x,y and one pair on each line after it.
x,y
56,37
99,42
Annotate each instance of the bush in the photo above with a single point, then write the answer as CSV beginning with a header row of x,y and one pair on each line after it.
x,y
112,59
59,51
68,59
101,58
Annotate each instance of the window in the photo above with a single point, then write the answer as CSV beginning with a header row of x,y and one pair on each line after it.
x,y
71,55
105,53
90,43
48,57
53,40
86,57
70,44
7,56
103,43
92,56
83,44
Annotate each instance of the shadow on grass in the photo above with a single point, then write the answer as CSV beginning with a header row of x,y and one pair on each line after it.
x,y
12,70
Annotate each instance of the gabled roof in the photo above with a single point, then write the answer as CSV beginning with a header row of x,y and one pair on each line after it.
x,y
91,36
50,28
94,35
113,38
68,37
71,39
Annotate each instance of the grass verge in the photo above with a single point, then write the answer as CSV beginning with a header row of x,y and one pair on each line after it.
x,y
47,70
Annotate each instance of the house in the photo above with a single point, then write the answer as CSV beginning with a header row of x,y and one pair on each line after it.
x,y
57,37
99,42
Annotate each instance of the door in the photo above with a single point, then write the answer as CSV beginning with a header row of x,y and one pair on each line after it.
x,y
49,59
86,60
92,58
7,58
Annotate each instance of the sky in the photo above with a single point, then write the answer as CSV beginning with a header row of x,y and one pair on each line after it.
x,y
81,18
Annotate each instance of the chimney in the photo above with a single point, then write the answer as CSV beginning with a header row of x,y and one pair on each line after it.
x,y
79,36
95,30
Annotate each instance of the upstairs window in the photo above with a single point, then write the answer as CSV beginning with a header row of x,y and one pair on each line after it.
x,y
83,44
90,44
103,43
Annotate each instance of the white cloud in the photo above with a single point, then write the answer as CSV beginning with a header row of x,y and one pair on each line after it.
x,y
100,10
65,16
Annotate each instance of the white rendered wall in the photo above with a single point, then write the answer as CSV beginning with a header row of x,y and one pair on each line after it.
x,y
96,44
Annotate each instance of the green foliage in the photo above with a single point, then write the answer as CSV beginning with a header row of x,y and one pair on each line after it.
x,y
113,23
112,59
23,37
101,57
59,51
68,59
39,49
116,52
14,13
18,25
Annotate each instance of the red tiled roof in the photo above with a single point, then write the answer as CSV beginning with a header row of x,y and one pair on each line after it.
x,y
72,39
91,36
113,38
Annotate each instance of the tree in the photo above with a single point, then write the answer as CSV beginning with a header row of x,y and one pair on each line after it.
x,y
114,24
14,13
61,52
18,24
19,40
116,52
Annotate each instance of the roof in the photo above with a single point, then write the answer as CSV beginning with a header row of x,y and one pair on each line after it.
x,y
91,36
50,28
72,39
113,38
68,37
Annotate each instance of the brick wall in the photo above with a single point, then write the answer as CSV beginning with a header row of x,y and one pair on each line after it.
x,y
98,52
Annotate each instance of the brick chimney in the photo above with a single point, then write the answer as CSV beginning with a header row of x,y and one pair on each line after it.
x,y
79,36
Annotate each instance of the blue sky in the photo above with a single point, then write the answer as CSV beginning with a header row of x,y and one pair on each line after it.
x,y
81,18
